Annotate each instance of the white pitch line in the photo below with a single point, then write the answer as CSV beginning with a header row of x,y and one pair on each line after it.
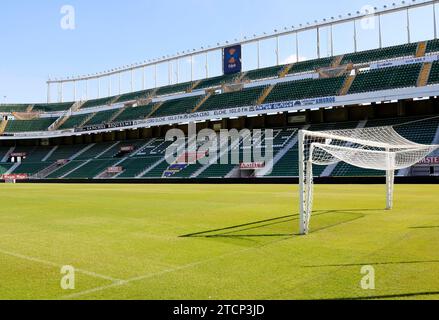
x,y
152,275
144,277
53,264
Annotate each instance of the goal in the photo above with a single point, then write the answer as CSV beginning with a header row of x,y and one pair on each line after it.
x,y
379,148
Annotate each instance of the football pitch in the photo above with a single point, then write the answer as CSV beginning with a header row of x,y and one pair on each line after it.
x,y
217,242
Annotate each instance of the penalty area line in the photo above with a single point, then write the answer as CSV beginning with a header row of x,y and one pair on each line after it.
x,y
160,273
53,264
144,277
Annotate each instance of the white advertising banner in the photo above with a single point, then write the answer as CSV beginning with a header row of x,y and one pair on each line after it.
x,y
271,108
403,62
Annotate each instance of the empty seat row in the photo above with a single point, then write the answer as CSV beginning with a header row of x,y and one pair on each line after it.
x,y
386,78
406,50
303,89
246,97
177,106
29,125
135,113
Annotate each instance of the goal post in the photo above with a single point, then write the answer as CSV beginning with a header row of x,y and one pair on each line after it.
x,y
378,148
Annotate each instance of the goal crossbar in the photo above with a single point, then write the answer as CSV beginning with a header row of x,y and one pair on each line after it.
x,y
351,135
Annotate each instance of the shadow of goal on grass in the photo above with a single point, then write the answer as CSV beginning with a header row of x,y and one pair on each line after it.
x,y
394,296
425,227
283,226
360,264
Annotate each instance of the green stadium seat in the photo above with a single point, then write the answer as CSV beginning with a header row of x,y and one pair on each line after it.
x,y
310,65
434,74
91,169
29,125
433,46
53,107
61,171
31,168
246,97
74,121
217,81
304,89
173,89
135,95
135,166
386,78
97,103
4,167
13,107
135,113
264,73
65,152
406,50
177,106
101,117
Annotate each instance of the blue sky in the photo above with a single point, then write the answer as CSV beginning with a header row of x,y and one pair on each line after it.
x,y
111,33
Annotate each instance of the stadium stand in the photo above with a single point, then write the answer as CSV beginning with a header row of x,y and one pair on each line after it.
x,y
61,171
98,102
14,107
114,151
386,78
216,81
4,167
101,117
29,125
31,168
310,65
90,169
34,154
133,113
433,46
52,107
302,89
265,73
65,152
135,166
434,74
74,121
177,88
246,97
135,95
366,80
407,50
95,150
177,106
144,158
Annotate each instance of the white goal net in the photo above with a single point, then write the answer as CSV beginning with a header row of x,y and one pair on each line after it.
x,y
379,148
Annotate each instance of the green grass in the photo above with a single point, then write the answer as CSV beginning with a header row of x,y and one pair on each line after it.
x,y
128,242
